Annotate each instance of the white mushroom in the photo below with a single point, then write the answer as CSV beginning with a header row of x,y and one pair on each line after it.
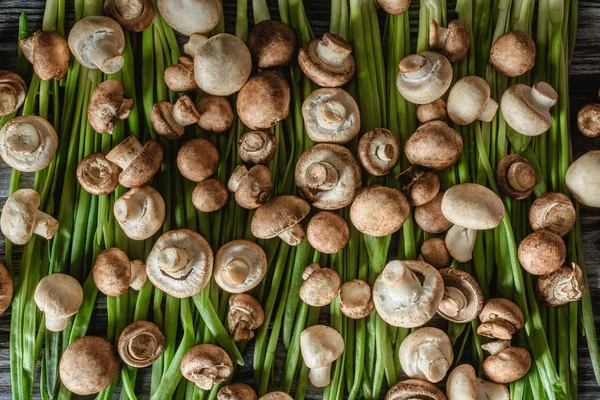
x,y
21,218
582,179
320,346
527,109
469,100
463,384
320,286
331,115
240,266
191,16
28,143
424,77
426,354
140,212
58,296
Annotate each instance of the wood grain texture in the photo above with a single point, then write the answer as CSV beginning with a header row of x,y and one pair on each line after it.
x,y
585,81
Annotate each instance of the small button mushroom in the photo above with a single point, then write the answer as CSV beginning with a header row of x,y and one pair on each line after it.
x,y
527,110
12,92
356,301
209,195
140,344
320,286
553,212
197,159
89,365
216,114
588,120
561,287
58,296
180,77
327,232
419,185
328,62
505,364
542,252
169,120
515,176
424,77
320,346
97,43
463,300
97,175
378,151
222,65
272,44
240,266
263,101
513,53
500,318
236,391
454,41
113,273
138,163
257,147
434,111
434,252
434,145
21,219
379,211
276,396
408,293
140,212
469,100
108,103
190,16
206,365
430,218
134,16
244,317
463,384
394,7
251,187
328,176
281,217
28,143
6,288
48,52
180,263
331,115
426,354
411,389
582,179
194,43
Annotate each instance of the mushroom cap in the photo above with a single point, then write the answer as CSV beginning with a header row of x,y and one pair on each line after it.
x,y
240,266
328,176
169,120
513,53
434,252
411,389
320,287
276,396
468,99
197,159
462,383
97,43
133,15
434,111
257,147
88,365
263,101
331,115
320,346
419,185
180,263
500,318
58,296
588,120
180,77
515,176
434,145
327,232
542,252
236,391
526,110
144,164
206,365
244,317
272,44
426,354
49,53
190,16
251,187
6,288
424,77
508,365
463,300
97,175
107,103
582,179
472,206
216,114
356,301
278,215
454,41
379,151
210,195
140,344
28,143
430,218
12,92
19,217
328,62
140,212
223,64
553,212
394,7
561,287
379,211
112,272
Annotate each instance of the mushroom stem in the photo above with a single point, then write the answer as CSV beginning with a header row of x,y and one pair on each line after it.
x,y
454,301
488,113
331,114
321,176
403,285
294,235
173,259
521,176
125,109
320,377
460,242
237,270
432,362
385,152
543,96
415,67
56,324
439,33
106,56
236,177
125,152
44,225
332,51
496,346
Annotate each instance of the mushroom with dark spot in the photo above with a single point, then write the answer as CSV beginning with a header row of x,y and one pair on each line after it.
x,y
6,288
216,114
140,212
28,143
505,364
434,111
500,319
206,365
424,77
58,296
113,273
419,185
272,44
251,187
276,396
240,266
331,115
133,15
379,211
12,92
257,147
197,159
48,52
140,344
263,101
236,391
327,232
328,62
411,389
245,315
281,217
108,103
434,252
588,120
561,287
430,217
138,163
378,151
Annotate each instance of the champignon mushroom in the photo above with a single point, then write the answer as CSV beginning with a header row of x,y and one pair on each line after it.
x,y
216,114
58,296
140,212
434,111
108,103
97,43
21,219
582,179
251,187
542,252
272,44
500,318
28,143
240,266
419,185
513,53
434,145
194,43
328,62
320,346
206,365
236,391
469,100
209,195
434,252
222,65
463,300
320,286
6,288
454,41
138,163
197,159
470,207
140,344
505,364
379,211
244,317
12,92
408,293
133,15
378,151
424,77
588,120
113,273
89,365
561,287
281,217
515,176
356,301
553,212
426,354
463,384
331,115
190,16
48,52
411,389
276,396
430,218
180,263
526,110
328,176
257,147
169,120
263,101
180,77
327,232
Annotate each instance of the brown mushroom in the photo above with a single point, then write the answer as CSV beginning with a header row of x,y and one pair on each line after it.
x,y
356,301
21,219
419,185
394,7
281,217
272,44
108,103
244,317
169,120
424,77
454,41
236,391
505,364
430,217
378,151
434,145
6,288
553,212
140,344
320,286
500,318
97,175
113,273
251,187
331,115
263,101
28,143
206,365
379,211
197,159
216,114
180,77
411,389
434,252
138,163
542,252
140,212
426,354
513,53
515,176
328,62
327,232
434,111
588,120
133,15
12,92
209,195
48,52
58,296
97,43
257,147
463,300
561,287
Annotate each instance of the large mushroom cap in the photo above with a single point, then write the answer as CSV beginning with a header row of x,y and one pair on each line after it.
x,y
582,179
430,218
379,151
463,300
463,384
6,288
469,99
328,176
251,187
236,391
542,252
426,354
331,115
28,143
320,286
12,92
527,109
140,212
411,389
210,195
515,176
49,53
112,272
97,175
108,103
280,216
206,365
140,344
553,212
197,159
180,263
327,232
500,318
97,43
240,266
244,317
133,15
561,287
320,346
328,62
272,44
513,53
506,364
472,206
434,145
58,296
379,211
588,120
263,101
138,163
454,41
21,218
216,114
190,16
257,147
356,301
424,77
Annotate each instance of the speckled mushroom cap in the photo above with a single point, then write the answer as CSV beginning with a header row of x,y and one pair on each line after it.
x,y
424,77
320,286
251,187
216,114
542,252
327,232
394,7
419,185
190,16
328,176
6,288
12,92
434,111
257,147
328,62
356,301
378,151
515,176
426,354
280,216
206,365
180,263
513,53
97,43
245,315
240,266
263,101
97,175
276,396
180,77
500,318
430,218
561,287
588,120
527,109
140,212
59,296
472,206
20,218
434,252
463,384
553,212
453,42
210,195
434,145
582,179
379,211
197,159
272,44
463,300
138,163
88,365
134,15
236,391
140,344
411,389
408,293
48,52
320,346
112,272
506,364
331,115
108,103
28,143
469,100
